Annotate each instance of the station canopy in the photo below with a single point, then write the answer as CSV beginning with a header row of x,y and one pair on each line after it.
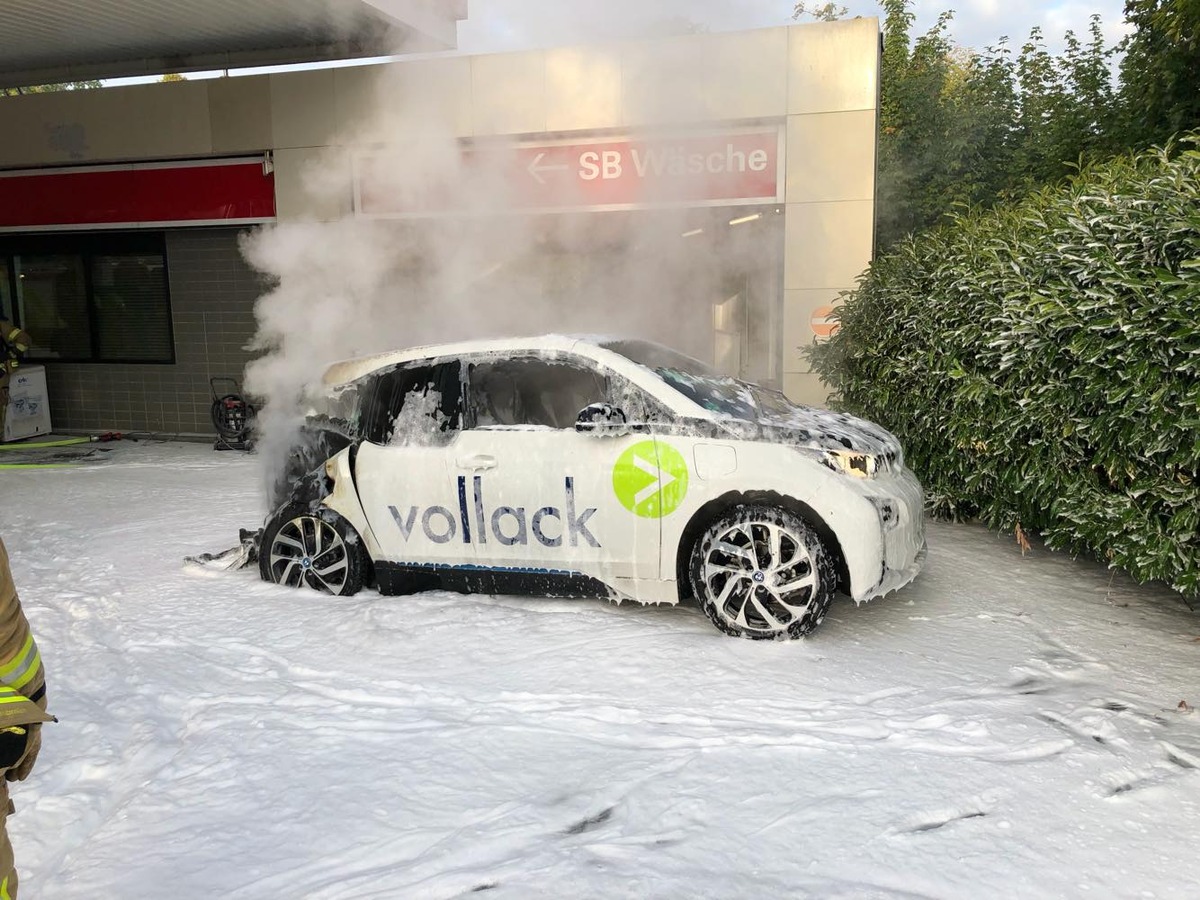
x,y
55,41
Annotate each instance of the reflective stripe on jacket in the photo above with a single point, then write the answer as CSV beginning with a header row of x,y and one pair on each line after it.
x,y
22,695
14,336
13,342
22,677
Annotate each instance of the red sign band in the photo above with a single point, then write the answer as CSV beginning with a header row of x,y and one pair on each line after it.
x,y
202,193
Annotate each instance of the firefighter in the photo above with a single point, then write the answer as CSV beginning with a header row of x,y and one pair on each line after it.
x,y
22,710
13,343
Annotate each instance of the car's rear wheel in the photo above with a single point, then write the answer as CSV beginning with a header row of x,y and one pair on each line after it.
x,y
320,550
761,572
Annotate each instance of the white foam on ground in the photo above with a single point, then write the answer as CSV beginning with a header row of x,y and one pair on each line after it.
x,y
1003,727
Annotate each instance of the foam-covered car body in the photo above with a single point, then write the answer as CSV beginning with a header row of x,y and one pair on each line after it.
x,y
572,466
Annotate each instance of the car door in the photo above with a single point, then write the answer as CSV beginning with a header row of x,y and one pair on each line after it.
x,y
410,419
541,494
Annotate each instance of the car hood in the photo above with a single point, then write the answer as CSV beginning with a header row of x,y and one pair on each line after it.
x,y
820,429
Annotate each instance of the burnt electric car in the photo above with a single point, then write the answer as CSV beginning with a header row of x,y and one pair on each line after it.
x,y
575,467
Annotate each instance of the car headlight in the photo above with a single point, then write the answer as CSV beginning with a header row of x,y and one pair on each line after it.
x,y
858,465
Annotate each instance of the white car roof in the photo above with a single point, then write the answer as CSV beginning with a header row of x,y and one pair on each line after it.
x,y
352,369
590,346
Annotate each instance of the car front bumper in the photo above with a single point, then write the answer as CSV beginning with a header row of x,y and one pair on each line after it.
x,y
900,501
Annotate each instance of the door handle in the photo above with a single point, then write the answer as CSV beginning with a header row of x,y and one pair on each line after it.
x,y
478,461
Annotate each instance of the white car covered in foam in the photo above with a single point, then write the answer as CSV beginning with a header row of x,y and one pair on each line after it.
x,y
579,467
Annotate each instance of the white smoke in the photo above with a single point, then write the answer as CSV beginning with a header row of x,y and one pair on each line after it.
x,y
357,286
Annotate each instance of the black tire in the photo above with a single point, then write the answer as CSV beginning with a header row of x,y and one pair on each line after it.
x,y
298,537
761,572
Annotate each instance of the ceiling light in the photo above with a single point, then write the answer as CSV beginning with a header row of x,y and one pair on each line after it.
x,y
693,232
743,219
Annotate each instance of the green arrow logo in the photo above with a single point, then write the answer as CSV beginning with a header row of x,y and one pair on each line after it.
x,y
651,479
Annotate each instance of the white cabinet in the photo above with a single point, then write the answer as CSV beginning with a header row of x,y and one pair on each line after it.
x,y
28,404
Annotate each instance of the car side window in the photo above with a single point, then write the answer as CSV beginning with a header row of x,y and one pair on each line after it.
x,y
546,393
413,405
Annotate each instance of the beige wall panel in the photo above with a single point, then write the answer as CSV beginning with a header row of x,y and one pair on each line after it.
x,y
430,94
240,112
806,389
57,128
662,81
357,101
165,120
25,138
833,66
313,183
508,93
143,121
831,156
583,88
827,245
302,108
799,308
746,74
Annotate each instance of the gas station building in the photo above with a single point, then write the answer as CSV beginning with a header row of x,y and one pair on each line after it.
x,y
121,207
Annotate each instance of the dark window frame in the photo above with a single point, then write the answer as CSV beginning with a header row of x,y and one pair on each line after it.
x,y
378,397
87,246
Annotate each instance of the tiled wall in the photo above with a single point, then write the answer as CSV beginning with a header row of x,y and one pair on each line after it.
x,y
212,307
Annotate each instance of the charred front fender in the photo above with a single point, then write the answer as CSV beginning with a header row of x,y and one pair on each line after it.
x,y
343,499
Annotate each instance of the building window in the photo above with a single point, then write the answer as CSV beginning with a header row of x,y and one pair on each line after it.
x,y
6,304
91,298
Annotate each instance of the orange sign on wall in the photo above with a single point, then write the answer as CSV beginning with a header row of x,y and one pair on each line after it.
x,y
823,324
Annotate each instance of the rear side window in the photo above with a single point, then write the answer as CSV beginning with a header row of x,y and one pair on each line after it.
x,y
413,405
532,392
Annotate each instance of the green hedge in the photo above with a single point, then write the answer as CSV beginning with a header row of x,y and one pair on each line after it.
x,y
1041,363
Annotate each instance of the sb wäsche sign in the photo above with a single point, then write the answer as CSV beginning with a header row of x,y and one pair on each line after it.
x,y
733,167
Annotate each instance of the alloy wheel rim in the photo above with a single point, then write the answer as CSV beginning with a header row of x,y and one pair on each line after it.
x,y
760,576
309,551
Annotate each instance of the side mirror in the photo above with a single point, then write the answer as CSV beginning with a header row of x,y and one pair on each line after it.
x,y
602,419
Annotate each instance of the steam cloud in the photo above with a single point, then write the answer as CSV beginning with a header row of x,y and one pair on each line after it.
x,y
357,286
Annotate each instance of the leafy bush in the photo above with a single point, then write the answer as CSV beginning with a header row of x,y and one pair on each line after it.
x,y
1041,363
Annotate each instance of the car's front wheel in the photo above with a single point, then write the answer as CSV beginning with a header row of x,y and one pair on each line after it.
x,y
762,572
317,549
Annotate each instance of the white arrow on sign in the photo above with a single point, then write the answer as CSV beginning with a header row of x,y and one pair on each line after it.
x,y
661,480
536,170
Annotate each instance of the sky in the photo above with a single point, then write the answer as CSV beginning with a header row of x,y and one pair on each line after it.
x,y
497,25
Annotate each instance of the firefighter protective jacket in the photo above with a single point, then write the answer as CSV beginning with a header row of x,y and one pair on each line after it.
x,y
22,684
22,678
13,341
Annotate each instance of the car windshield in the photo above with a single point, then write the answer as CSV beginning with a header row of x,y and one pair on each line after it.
x,y
702,384
338,403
